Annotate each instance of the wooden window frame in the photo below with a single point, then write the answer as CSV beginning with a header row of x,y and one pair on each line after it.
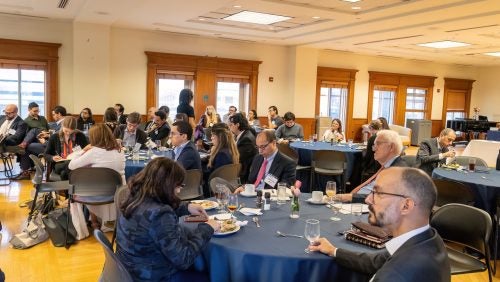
x,y
456,84
205,69
401,82
338,76
37,53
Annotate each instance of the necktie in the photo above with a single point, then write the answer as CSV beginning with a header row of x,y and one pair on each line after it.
x,y
368,181
262,171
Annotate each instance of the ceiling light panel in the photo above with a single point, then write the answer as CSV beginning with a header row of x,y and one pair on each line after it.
x,y
494,54
444,44
256,18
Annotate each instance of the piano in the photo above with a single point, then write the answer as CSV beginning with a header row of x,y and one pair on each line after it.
x,y
466,125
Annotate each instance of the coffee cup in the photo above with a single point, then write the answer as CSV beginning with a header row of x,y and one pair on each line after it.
x,y
317,196
249,189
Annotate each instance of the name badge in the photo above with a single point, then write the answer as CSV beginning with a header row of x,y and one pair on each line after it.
x,y
12,131
271,180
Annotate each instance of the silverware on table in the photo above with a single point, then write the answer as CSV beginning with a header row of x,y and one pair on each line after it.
x,y
256,220
288,235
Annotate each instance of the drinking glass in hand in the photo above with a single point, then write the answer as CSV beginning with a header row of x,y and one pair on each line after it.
x,y
311,232
331,192
232,203
221,194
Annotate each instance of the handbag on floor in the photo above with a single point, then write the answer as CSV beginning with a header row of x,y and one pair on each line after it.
x,y
55,224
34,233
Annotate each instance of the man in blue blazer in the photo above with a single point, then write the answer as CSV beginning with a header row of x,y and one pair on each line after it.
x,y
185,152
401,202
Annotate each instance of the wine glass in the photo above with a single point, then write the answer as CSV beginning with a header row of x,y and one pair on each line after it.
x,y
311,232
221,194
331,192
232,204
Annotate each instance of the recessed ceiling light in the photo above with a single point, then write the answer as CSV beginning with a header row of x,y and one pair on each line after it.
x,y
237,6
444,44
495,54
316,17
356,7
201,19
351,1
256,18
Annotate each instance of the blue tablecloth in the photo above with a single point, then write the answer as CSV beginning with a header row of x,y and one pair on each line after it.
x,y
353,157
258,254
485,185
133,167
493,135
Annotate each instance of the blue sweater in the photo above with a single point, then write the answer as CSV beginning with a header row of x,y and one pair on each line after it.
x,y
153,246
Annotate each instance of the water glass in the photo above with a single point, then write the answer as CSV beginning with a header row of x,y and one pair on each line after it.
x,y
349,143
282,197
356,209
158,144
221,194
311,232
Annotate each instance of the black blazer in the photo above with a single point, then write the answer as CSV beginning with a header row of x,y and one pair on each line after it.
x,y
421,258
428,155
370,165
19,126
246,148
160,132
54,146
282,167
189,158
122,119
140,136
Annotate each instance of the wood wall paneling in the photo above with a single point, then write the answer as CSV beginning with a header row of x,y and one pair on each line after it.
x,y
437,126
456,84
356,127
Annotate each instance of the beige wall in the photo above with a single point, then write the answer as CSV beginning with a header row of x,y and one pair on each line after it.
x,y
100,66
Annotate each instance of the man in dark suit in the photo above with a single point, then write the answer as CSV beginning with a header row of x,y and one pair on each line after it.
x,y
387,149
245,142
185,152
160,129
270,166
58,115
401,203
434,151
122,118
12,129
130,133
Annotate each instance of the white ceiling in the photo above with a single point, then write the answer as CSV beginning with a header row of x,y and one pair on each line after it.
x,y
381,27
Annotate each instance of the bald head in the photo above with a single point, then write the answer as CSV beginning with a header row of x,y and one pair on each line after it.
x,y
10,111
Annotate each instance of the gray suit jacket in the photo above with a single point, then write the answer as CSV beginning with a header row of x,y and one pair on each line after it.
x,y
428,155
421,258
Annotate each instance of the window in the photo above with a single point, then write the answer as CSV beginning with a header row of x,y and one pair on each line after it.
x,y
333,101
455,104
415,103
170,85
20,87
383,103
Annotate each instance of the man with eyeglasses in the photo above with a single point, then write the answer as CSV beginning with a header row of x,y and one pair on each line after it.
x,y
401,202
387,150
434,151
270,166
185,152
232,110
129,133
12,129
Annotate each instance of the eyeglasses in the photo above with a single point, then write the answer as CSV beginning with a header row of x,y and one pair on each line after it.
x,y
378,143
262,147
373,193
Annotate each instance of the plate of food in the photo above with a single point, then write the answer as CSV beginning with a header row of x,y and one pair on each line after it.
x,y
451,166
227,227
206,204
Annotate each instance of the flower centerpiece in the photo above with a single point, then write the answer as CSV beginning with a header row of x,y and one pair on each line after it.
x,y
476,112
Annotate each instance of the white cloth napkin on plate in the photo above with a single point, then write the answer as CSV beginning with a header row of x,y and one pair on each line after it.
x,y
224,216
250,211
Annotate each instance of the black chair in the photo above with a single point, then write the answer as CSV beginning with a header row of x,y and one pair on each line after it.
x,y
467,227
450,191
120,196
92,186
113,269
193,189
7,168
43,187
326,162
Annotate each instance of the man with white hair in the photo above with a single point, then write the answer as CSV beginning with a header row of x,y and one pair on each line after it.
x,y
387,150
12,129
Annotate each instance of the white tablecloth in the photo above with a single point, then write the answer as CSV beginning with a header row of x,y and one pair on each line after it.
x,y
484,149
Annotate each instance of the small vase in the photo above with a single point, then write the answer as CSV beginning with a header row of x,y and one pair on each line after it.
x,y
294,207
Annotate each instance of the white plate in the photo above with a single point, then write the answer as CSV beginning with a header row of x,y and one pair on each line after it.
x,y
210,205
220,216
254,194
310,201
217,234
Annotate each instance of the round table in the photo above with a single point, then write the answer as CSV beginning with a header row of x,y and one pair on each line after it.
x,y
485,184
133,167
353,156
258,254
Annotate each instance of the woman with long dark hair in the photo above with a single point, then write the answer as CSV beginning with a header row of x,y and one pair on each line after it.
x,y
334,132
85,118
150,242
224,150
110,118
253,119
184,107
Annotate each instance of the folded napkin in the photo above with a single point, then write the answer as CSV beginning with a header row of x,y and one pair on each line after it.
x,y
250,211
242,223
